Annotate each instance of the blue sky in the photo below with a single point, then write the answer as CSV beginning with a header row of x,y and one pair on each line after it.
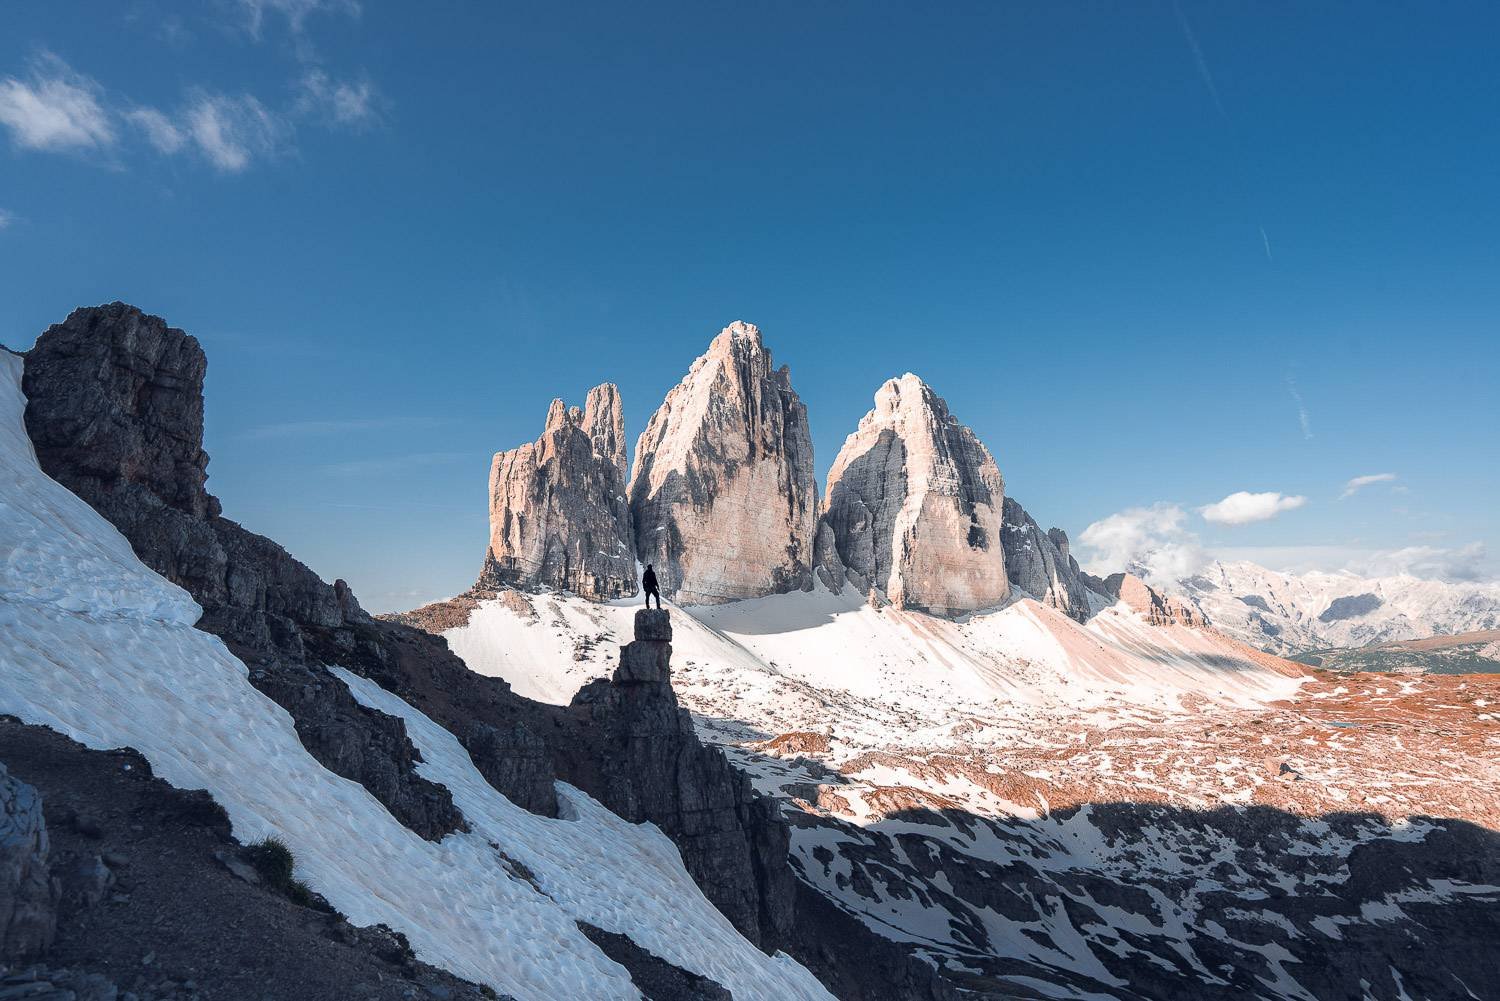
x,y
1155,255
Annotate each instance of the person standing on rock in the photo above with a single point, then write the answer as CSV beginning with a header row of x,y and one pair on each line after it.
x,y
649,585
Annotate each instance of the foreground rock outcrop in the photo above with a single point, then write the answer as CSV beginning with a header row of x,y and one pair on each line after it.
x,y
558,515
160,901
1040,563
723,492
115,413
913,514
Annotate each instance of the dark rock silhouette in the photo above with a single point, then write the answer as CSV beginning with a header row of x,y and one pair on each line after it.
x,y
115,412
164,857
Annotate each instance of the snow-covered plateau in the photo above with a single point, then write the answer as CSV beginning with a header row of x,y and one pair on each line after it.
x,y
1051,809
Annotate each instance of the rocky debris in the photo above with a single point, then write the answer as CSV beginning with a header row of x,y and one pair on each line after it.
x,y
558,515
115,412
914,507
42,983
29,896
1159,609
1355,908
177,923
1040,563
657,979
723,494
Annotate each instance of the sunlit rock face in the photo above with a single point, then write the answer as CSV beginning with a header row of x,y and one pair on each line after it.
x,y
913,514
723,492
558,514
1159,609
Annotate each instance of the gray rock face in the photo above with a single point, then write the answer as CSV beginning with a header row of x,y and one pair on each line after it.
x,y
558,515
723,493
1350,607
1040,563
28,895
914,507
115,412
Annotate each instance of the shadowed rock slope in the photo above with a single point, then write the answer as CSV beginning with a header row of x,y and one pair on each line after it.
x,y
151,895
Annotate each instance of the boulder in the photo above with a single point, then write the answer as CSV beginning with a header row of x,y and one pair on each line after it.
x,y
913,513
723,492
28,895
558,515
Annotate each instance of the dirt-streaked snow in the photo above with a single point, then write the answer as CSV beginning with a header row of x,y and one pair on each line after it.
x,y
102,649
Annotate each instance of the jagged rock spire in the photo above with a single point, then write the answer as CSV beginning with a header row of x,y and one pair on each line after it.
x,y
913,513
1040,563
558,516
723,492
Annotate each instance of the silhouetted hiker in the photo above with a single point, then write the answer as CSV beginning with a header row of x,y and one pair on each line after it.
x,y
649,585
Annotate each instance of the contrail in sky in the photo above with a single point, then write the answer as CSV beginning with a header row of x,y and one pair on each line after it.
x,y
1208,78
1267,241
1302,418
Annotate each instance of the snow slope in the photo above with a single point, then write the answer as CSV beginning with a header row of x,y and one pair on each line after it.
x,y
1291,613
1024,653
102,649
1048,809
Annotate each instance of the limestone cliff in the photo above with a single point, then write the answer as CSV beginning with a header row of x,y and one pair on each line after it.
x,y
558,516
723,492
1040,563
913,513
1159,609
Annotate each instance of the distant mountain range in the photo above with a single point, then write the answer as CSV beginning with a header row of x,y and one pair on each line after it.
x,y
1289,613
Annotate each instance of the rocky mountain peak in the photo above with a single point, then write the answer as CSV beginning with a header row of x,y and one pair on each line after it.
x,y
603,420
913,513
1159,609
723,491
558,516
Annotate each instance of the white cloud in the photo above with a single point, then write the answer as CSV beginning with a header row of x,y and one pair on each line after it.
x,y
56,109
230,131
353,105
296,12
160,130
1151,540
1357,484
1243,507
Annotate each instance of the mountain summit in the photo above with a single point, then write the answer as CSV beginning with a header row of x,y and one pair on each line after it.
x,y
723,493
558,516
914,507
